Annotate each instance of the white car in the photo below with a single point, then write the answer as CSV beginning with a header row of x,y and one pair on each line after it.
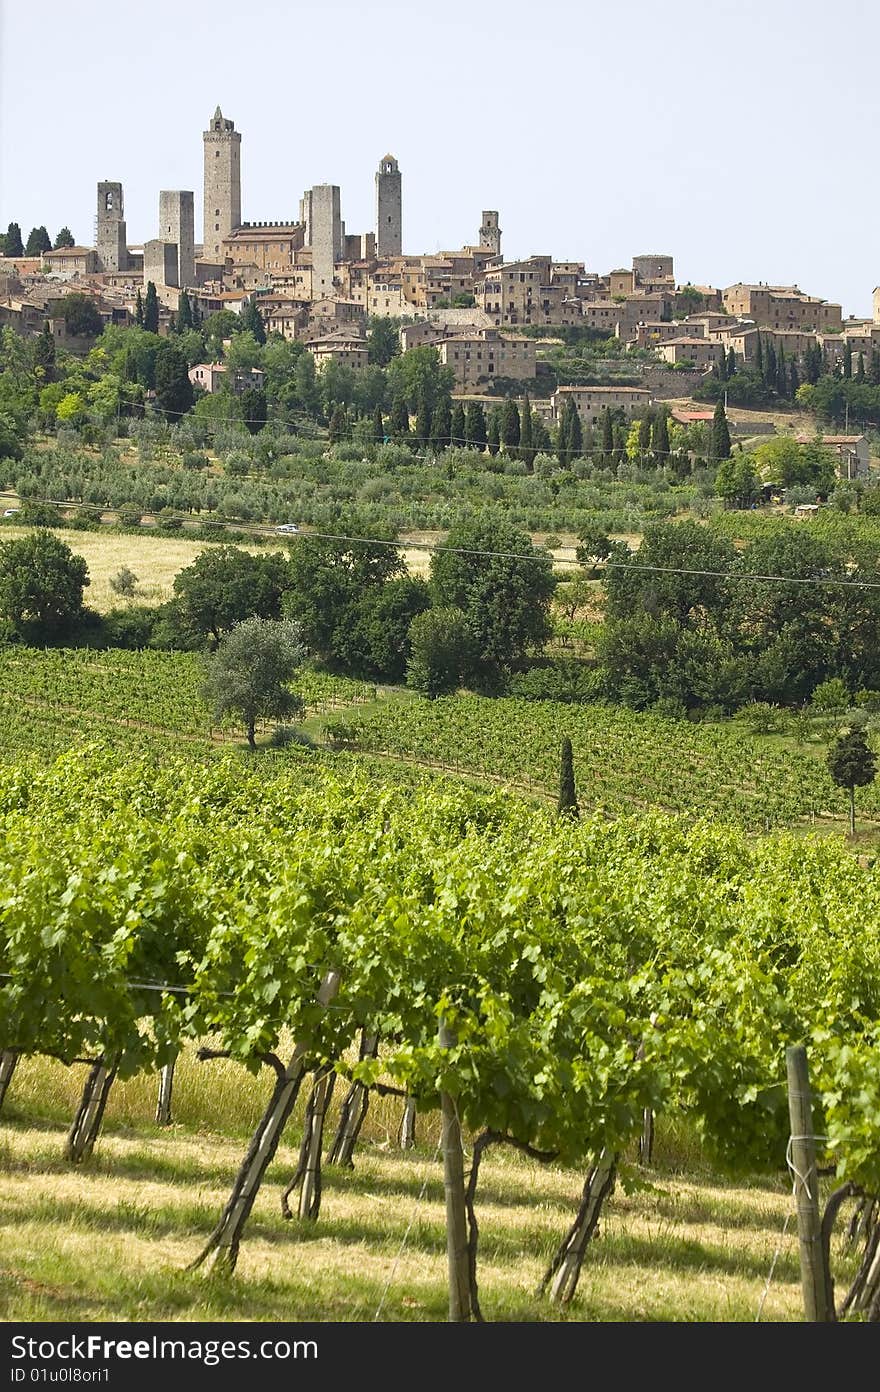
x,y
11,512
289,527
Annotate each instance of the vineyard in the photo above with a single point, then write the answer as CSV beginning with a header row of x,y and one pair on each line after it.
x,y
624,761
553,986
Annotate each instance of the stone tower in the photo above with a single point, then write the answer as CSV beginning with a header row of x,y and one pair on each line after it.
x,y
222,208
320,211
490,233
110,237
389,208
177,224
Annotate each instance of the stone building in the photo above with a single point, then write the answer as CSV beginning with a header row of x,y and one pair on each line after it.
x,y
693,349
75,260
111,244
479,356
490,233
389,208
222,189
781,307
592,402
346,349
177,225
269,246
324,233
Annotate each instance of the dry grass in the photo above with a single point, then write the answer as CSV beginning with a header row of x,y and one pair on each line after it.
x,y
111,1240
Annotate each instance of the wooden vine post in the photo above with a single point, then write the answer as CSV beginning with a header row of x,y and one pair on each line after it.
x,y
815,1282
453,1182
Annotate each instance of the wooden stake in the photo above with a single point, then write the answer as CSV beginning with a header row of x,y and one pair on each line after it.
x,y
453,1182
815,1282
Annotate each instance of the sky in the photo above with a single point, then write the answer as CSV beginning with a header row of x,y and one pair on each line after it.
x,y
740,136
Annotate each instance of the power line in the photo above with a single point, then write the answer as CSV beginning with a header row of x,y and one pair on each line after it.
x,y
633,565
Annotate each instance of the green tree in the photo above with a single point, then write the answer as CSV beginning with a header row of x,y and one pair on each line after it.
x,y
44,354
644,436
441,424
660,437
38,241
338,428
458,424
379,637
64,239
399,421
423,420
719,440
852,764
383,341
174,390
493,430
509,424
253,409
526,432
184,313
249,674
250,320
139,310
847,360
736,480
502,584
607,433
14,245
378,426
731,364
41,586
328,580
567,806
81,316
419,377
594,545
225,585
475,425
440,652
151,309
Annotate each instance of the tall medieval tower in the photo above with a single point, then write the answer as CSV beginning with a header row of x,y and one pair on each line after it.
x,y
110,237
222,207
490,233
389,208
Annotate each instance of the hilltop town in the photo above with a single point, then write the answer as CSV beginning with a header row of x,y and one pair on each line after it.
x,y
489,319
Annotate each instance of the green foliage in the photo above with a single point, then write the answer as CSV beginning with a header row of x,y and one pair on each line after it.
x,y
441,652
174,390
737,481
567,805
250,320
383,341
224,586
38,241
13,245
248,674
81,316
151,309
64,239
328,584
41,586
493,574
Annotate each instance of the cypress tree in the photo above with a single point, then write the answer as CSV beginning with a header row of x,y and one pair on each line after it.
x,y
378,426
781,372
493,430
64,239
441,424
731,364
847,359
607,434
174,393
794,380
457,424
660,438
563,433
874,369
644,436
139,310
475,425
44,353
567,805
720,368
423,421
14,246
195,310
770,367
251,321
759,357
38,242
338,427
575,432
719,442
399,419
184,313
526,434
860,369
509,424
151,309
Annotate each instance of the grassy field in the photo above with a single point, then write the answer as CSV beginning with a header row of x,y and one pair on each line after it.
x,y
111,1240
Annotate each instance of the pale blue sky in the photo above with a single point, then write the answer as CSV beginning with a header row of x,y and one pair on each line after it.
x,y
739,135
